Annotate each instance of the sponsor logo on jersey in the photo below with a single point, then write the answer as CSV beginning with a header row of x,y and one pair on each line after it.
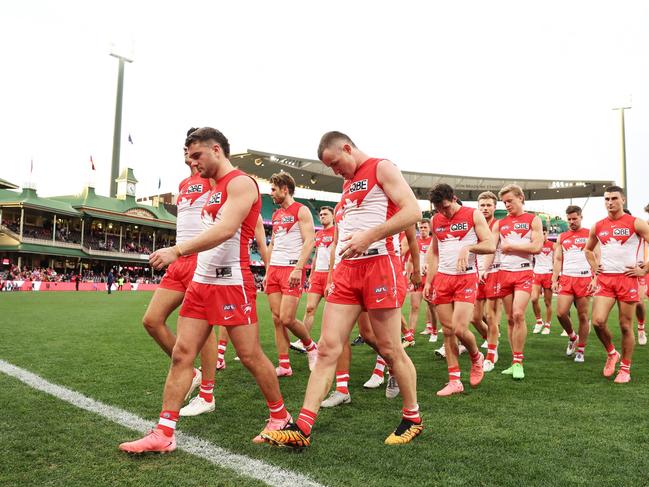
x,y
358,186
229,307
287,219
521,226
215,199
621,232
194,188
459,227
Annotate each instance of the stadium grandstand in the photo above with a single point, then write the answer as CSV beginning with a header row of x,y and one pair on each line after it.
x,y
88,234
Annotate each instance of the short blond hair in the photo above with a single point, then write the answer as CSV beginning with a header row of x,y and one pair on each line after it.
x,y
488,195
512,188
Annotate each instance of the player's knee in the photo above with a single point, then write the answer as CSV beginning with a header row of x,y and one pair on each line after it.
x,y
448,330
286,320
328,351
598,322
181,355
151,323
310,310
518,316
248,358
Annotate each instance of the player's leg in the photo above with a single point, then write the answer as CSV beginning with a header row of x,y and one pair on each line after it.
x,y
340,395
583,308
493,312
221,347
204,401
536,307
640,313
564,305
547,299
312,302
378,373
515,306
462,313
287,313
281,336
413,317
626,313
602,306
162,304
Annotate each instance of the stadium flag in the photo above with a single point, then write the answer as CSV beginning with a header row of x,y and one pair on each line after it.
x,y
159,184
92,163
130,139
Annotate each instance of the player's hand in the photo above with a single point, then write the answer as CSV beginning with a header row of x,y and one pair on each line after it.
x,y
295,278
163,257
428,287
634,271
481,277
592,287
506,248
555,287
600,269
415,278
462,259
355,245
263,282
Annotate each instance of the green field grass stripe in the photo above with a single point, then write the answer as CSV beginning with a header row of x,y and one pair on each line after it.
x,y
241,464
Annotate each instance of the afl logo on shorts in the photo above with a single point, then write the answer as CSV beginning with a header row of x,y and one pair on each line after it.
x,y
521,226
195,188
621,232
459,227
215,199
229,307
358,186
380,289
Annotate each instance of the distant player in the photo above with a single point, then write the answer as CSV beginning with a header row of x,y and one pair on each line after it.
x,y
459,233
570,279
543,284
222,291
520,236
377,203
290,248
616,277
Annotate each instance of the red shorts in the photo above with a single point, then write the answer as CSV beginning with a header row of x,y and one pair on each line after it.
x,y
449,288
618,286
318,282
492,285
221,305
374,283
511,281
481,294
180,274
277,281
574,286
543,280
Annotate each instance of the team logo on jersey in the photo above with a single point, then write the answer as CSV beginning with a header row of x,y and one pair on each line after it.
x,y
581,240
459,227
621,232
504,228
358,186
440,229
194,188
521,226
215,199
229,307
327,239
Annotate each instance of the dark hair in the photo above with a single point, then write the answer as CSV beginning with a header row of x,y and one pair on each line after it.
x,y
646,208
191,131
329,138
440,193
614,189
207,134
573,209
627,211
328,208
283,180
425,220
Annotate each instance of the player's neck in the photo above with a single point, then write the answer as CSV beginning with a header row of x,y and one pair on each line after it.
x,y
616,215
327,227
288,201
489,220
516,213
224,168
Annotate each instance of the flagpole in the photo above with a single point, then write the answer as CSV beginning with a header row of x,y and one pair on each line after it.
x,y
117,133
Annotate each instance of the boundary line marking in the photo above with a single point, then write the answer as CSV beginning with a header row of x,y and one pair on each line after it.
x,y
241,464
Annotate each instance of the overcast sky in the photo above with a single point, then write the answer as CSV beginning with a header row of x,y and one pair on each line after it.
x,y
499,88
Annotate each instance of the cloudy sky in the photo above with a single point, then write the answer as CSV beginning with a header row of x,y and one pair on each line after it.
x,y
500,88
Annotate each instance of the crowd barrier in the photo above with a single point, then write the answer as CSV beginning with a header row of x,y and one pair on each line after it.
x,y
71,286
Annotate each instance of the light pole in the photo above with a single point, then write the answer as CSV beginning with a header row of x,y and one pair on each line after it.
x,y
117,133
623,146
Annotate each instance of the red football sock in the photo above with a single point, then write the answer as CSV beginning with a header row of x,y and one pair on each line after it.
x,y
277,409
167,422
306,420
342,381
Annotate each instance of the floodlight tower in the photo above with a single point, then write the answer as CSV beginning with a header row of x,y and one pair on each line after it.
x,y
623,153
117,133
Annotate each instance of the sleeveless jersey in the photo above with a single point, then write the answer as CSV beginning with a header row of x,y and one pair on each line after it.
x,y
543,260
424,244
453,234
619,242
287,239
574,258
229,262
365,205
192,195
516,230
323,240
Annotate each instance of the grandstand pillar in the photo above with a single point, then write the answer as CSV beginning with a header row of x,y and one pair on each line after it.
x,y
83,227
54,228
22,220
154,232
120,238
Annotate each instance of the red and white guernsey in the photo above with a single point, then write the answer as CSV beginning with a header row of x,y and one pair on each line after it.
x,y
516,230
452,235
543,260
619,242
572,244
365,205
229,262
192,195
323,240
287,239
424,244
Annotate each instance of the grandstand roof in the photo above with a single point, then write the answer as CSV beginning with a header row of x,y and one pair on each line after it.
x,y
313,174
4,184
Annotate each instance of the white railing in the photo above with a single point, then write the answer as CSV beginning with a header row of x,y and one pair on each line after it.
x,y
107,253
8,231
53,243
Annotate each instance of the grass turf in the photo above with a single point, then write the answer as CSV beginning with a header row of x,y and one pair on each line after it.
x,y
564,423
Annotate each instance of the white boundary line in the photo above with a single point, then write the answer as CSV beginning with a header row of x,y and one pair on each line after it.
x,y
240,464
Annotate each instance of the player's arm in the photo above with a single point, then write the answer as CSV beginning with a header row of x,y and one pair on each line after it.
x,y
398,191
432,262
332,260
535,244
495,238
642,229
305,221
415,257
591,257
242,194
557,264
260,238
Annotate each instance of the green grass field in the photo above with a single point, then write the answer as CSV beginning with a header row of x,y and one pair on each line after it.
x,y
564,424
